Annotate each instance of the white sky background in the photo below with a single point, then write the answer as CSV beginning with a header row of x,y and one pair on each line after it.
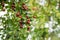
x,y
47,25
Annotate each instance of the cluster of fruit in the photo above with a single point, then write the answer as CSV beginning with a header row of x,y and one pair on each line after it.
x,y
18,14
21,22
24,7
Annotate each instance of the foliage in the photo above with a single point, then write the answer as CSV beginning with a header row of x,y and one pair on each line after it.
x,y
23,16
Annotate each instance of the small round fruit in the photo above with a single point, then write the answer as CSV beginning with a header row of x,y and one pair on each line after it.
x,y
28,28
34,8
18,14
21,25
28,22
34,16
24,7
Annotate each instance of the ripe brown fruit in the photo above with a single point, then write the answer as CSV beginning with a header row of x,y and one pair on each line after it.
x,y
28,28
21,26
28,21
18,14
34,8
34,16
24,7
